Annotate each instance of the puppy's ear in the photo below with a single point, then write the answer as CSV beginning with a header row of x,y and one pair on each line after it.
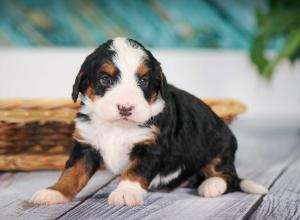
x,y
81,81
157,69
77,85
163,81
163,86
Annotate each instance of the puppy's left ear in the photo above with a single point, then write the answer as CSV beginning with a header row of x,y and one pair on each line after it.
x,y
157,69
163,86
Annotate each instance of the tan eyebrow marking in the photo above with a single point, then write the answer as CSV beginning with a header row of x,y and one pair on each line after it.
x,y
109,68
142,70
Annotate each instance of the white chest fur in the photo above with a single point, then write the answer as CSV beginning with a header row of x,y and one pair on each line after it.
x,y
113,140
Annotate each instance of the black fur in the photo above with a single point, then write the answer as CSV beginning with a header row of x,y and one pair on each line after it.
x,y
82,116
89,72
87,153
191,134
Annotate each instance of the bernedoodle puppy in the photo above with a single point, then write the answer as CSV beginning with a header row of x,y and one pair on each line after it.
x,y
154,135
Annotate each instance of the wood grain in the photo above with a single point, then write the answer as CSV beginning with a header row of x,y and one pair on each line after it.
x,y
17,188
283,201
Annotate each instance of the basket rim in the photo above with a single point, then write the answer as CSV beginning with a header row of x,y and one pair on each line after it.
x,y
37,103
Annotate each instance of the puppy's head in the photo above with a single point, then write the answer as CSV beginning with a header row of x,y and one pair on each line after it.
x,y
121,80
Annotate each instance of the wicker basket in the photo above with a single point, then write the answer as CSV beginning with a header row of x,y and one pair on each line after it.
x,y
37,134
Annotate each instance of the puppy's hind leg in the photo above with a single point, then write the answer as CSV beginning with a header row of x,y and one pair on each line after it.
x,y
221,177
82,164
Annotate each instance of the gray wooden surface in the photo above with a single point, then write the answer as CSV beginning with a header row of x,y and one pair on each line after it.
x,y
283,201
17,188
268,154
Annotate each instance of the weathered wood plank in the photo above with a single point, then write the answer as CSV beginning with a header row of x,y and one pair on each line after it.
x,y
260,158
17,188
283,201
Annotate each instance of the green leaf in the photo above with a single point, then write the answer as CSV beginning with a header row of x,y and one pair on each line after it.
x,y
295,56
282,20
257,53
291,47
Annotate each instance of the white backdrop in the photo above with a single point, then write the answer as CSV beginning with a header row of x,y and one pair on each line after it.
x,y
50,73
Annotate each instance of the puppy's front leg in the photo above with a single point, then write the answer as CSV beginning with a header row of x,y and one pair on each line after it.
x,y
82,164
133,185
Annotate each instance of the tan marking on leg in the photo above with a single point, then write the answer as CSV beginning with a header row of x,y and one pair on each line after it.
x,y
131,189
130,175
72,180
209,170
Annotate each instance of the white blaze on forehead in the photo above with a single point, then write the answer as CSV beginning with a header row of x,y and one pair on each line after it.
x,y
127,58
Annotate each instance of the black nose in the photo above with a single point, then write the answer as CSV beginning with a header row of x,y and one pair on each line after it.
x,y
125,111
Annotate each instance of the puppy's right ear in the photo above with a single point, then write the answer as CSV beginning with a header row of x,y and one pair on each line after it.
x,y
81,81
77,85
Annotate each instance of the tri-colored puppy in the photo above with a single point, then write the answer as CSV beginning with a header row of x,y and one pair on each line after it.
x,y
154,135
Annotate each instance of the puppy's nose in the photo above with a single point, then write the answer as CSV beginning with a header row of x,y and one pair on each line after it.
x,y
125,111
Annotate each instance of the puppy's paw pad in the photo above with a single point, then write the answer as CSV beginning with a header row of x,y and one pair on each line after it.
x,y
48,197
125,196
212,187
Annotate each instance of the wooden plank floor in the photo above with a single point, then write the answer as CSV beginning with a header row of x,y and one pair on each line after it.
x,y
268,154
17,188
283,201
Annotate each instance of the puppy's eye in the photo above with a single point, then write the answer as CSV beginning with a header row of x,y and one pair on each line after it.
x,y
106,80
143,82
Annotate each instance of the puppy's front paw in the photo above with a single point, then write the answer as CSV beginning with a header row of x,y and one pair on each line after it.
x,y
212,187
48,197
127,193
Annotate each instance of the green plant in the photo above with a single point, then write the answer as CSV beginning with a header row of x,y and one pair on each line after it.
x,y
280,21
